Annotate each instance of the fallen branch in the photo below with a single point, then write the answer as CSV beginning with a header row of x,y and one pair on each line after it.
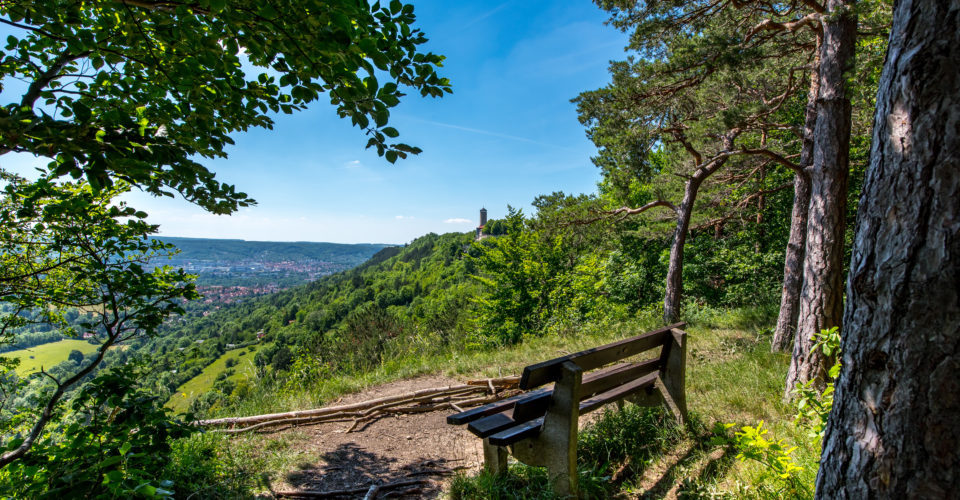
x,y
372,492
402,493
330,409
500,383
439,405
349,491
455,399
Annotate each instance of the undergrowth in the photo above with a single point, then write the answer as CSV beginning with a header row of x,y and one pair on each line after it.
x,y
733,382
732,377
611,451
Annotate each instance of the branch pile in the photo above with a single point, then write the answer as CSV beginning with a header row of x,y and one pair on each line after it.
x,y
454,397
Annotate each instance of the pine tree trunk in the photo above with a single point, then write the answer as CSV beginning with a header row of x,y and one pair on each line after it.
x,y
895,428
821,299
671,299
785,331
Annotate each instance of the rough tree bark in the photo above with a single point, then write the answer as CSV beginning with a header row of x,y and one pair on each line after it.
x,y
895,428
786,329
821,300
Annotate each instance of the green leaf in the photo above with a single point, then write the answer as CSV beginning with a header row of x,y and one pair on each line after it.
x,y
391,132
267,10
81,111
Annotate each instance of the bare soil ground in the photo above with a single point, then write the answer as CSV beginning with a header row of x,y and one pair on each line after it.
x,y
391,449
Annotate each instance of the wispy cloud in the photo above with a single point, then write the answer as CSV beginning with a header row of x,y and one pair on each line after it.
x,y
485,15
493,134
403,217
353,164
458,220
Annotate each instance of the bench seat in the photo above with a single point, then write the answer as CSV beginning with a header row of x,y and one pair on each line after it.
x,y
523,430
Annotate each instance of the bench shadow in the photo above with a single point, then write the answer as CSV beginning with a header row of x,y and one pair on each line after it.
x,y
351,466
701,463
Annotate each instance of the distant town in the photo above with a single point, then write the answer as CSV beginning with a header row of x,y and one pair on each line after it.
x,y
233,270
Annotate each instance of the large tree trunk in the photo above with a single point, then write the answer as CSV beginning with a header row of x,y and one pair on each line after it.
x,y
821,300
895,428
671,299
786,328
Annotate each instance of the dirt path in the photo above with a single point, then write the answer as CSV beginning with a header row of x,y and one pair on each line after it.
x,y
390,449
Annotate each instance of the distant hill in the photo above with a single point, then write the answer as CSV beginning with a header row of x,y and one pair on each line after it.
x,y
227,262
271,251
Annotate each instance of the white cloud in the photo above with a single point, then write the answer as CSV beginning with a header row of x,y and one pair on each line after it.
x,y
401,217
353,164
458,220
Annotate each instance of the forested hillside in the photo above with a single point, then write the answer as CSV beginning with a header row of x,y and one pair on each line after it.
x,y
345,321
230,251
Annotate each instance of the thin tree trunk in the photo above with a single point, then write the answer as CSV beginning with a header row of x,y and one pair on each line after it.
x,y
786,328
672,297
758,247
821,300
895,428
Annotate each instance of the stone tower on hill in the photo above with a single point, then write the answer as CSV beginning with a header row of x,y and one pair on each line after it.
x,y
483,222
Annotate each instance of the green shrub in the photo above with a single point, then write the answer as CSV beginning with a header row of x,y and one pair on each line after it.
x,y
113,443
814,407
775,456
782,476
203,466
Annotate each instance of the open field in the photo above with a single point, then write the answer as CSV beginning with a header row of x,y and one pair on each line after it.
x,y
191,389
47,355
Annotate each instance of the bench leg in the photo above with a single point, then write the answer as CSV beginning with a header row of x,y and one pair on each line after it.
x,y
673,375
559,433
494,458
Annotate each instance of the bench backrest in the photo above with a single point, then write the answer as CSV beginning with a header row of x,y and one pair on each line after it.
x,y
550,371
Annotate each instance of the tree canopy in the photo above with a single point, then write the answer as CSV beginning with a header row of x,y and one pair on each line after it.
x,y
144,90
123,94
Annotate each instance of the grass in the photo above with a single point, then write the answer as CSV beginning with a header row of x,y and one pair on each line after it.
x,y
47,355
243,369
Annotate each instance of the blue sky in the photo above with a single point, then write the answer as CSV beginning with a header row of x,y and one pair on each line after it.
x,y
507,134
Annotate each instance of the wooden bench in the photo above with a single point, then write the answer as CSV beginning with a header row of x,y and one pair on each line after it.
x,y
539,427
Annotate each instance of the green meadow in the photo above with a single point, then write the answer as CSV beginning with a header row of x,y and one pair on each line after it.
x,y
202,383
47,355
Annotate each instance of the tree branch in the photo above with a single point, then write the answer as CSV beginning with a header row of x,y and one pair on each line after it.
x,y
812,20
44,78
